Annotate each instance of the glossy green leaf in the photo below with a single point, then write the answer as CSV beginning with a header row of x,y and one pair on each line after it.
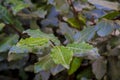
x,y
17,5
1,26
84,50
44,63
75,64
111,15
85,35
80,47
38,33
104,27
26,45
7,18
32,42
67,31
15,57
103,4
75,23
19,49
5,15
55,70
82,19
17,53
18,24
33,25
62,55
8,42
62,6
40,12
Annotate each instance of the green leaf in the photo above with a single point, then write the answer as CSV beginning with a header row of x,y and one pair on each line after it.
x,y
84,50
55,70
111,15
17,5
105,4
4,15
75,64
38,33
104,27
7,18
44,63
82,19
18,24
85,35
62,6
33,42
33,25
17,53
15,57
99,68
80,47
1,26
67,31
62,55
19,49
8,42
75,23
26,45
40,12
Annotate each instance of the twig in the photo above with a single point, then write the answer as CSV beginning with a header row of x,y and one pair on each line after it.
x,y
17,31
52,43
73,8
74,12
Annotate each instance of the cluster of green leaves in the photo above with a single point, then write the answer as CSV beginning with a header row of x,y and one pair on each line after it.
x,y
55,53
61,55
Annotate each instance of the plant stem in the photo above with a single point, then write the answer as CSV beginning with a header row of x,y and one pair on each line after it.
x,y
52,43
16,30
74,11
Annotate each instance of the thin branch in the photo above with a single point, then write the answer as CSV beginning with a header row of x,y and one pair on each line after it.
x,y
52,43
16,30
73,8
74,12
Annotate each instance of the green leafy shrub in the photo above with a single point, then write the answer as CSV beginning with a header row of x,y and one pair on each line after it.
x,y
58,37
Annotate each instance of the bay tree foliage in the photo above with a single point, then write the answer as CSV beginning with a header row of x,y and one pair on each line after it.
x,y
59,39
